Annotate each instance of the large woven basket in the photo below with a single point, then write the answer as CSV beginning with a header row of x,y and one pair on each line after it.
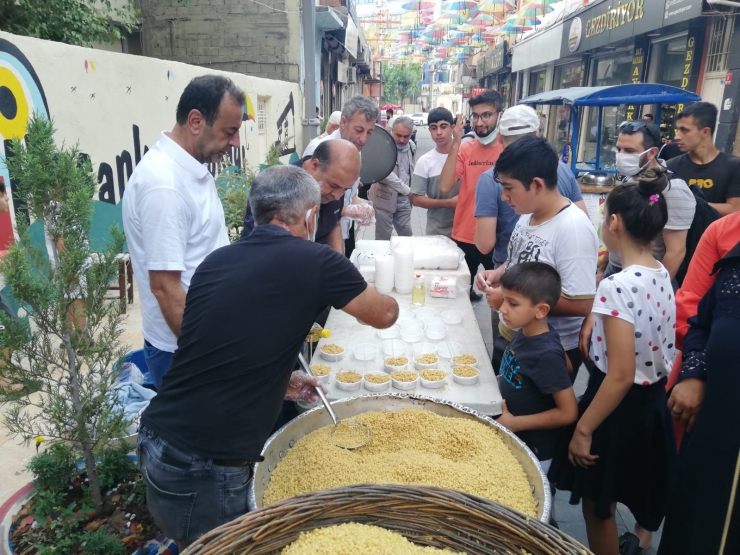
x,y
426,516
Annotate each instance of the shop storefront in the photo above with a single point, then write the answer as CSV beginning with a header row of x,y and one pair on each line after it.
x,y
494,72
653,41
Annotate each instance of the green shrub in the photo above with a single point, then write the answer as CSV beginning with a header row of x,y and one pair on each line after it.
x,y
115,466
54,468
46,502
100,543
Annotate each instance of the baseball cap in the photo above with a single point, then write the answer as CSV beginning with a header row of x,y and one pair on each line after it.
x,y
518,120
335,118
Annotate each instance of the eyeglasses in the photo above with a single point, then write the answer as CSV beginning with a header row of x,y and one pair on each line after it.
x,y
630,127
485,116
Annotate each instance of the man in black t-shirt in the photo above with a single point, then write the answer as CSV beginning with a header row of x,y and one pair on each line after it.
x,y
336,167
717,174
249,308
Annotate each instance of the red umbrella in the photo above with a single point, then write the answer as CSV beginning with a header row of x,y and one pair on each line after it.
x,y
385,107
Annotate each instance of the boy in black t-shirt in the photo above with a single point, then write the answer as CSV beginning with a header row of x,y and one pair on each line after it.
x,y
534,380
717,174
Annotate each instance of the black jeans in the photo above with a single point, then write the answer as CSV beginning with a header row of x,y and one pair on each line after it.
x,y
474,258
189,496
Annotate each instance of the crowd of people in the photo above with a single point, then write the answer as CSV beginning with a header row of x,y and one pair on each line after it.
x,y
223,325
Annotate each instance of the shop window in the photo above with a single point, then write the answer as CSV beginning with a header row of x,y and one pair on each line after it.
x,y
719,44
537,82
615,70
568,75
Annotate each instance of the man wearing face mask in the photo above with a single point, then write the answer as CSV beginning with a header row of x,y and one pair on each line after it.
x,y
390,197
210,419
465,164
638,147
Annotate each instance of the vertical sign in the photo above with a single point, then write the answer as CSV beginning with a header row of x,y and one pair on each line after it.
x,y
636,72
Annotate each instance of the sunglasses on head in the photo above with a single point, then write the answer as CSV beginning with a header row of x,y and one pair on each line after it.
x,y
630,127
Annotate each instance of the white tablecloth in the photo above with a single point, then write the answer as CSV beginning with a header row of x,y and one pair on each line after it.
x,y
483,397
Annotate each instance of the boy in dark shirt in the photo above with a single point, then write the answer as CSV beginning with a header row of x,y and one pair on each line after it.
x,y
716,173
533,380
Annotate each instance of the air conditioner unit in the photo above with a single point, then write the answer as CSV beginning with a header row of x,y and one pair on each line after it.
x,y
351,75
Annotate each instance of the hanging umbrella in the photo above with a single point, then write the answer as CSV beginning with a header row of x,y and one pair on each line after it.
x,y
526,20
512,26
534,9
492,30
459,5
482,20
493,7
416,5
451,18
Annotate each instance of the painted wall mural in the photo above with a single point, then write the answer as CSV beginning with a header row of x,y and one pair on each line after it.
x,y
114,106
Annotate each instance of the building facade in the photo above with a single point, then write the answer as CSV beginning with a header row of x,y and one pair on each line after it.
x,y
613,42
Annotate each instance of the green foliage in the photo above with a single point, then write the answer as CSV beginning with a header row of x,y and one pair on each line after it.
x,y
233,189
53,469
115,466
80,22
400,82
77,405
324,123
100,543
273,156
46,502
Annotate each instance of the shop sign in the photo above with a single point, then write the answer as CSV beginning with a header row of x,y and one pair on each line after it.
x,y
494,59
614,20
681,10
351,36
575,34
638,67
478,91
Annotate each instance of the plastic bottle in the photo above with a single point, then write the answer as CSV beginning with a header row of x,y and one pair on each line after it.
x,y
417,293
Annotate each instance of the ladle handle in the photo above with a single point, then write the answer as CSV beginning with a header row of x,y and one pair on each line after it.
x,y
319,391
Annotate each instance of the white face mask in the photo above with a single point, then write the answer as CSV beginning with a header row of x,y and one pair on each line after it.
x,y
629,164
312,236
488,139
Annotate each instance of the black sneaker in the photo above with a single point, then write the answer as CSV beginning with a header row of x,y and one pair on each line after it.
x,y
475,296
629,544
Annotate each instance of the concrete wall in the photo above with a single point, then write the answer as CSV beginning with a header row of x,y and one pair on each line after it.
x,y
230,35
116,105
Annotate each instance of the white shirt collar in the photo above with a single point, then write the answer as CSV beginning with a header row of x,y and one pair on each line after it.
x,y
181,156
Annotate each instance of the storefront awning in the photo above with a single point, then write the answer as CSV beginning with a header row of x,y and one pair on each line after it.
x,y
640,93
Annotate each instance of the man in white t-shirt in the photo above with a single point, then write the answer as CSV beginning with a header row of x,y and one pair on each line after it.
x,y
550,229
172,214
638,146
425,190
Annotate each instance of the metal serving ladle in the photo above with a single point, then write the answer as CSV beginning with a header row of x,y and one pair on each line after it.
x,y
352,424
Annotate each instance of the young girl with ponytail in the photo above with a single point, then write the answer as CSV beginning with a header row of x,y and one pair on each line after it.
x,y
622,447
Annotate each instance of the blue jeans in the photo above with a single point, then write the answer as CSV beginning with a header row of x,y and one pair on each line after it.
x,y
157,362
189,496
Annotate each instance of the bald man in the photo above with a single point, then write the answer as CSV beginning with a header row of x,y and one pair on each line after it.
x,y
335,165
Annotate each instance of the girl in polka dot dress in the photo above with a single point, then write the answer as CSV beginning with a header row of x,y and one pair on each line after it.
x,y
622,447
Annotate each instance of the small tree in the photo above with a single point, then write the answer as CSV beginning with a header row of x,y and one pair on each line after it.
x,y
401,82
80,22
76,406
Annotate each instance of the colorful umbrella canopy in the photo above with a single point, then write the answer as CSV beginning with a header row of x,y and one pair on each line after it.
x,y
482,20
451,18
525,20
416,5
512,26
534,9
459,5
493,7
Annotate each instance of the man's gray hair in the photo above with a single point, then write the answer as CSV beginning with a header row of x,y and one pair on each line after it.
x,y
283,192
406,121
366,106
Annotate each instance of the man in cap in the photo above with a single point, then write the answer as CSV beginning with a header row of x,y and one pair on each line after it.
x,y
332,125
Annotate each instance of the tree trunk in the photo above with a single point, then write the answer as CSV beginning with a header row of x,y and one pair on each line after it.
x,y
92,476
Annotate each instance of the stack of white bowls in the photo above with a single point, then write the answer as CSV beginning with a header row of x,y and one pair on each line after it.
x,y
384,273
403,270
